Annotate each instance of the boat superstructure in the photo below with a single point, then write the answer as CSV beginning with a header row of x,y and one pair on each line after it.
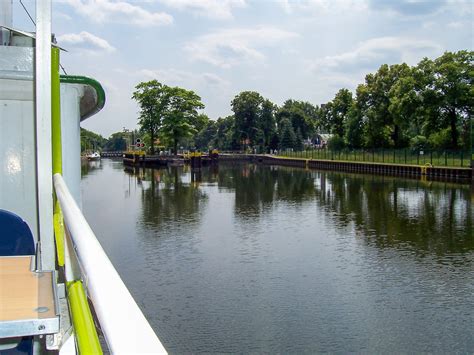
x,y
94,156
40,115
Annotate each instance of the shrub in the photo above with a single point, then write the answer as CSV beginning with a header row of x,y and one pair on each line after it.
x,y
441,139
419,143
336,143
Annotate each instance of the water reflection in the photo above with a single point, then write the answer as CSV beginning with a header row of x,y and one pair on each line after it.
x,y
88,167
169,195
248,258
432,217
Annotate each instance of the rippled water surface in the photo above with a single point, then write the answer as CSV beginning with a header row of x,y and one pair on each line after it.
x,y
253,258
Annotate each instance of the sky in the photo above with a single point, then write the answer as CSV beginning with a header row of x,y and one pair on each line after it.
x,y
283,49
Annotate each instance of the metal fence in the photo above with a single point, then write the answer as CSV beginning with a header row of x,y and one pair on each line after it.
x,y
387,156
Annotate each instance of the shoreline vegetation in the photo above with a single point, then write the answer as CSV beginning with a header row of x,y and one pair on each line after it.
x,y
402,114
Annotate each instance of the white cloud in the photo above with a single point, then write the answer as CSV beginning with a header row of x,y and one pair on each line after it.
x,y
227,48
461,7
214,80
184,78
217,9
428,25
455,24
61,15
103,11
422,7
408,7
85,40
312,6
374,52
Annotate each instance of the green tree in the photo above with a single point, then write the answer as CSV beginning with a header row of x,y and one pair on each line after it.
x,y
247,110
302,116
274,141
225,134
254,119
299,140
406,105
287,134
181,115
201,121
206,137
91,140
325,119
266,123
116,142
338,114
453,89
153,99
381,130
354,128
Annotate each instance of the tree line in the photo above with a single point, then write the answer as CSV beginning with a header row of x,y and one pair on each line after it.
x,y
426,106
429,105
91,141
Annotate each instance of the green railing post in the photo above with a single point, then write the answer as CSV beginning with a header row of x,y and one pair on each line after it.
x,y
56,148
84,327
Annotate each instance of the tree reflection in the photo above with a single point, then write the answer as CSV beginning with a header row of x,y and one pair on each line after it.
x,y
167,198
387,212
257,187
434,217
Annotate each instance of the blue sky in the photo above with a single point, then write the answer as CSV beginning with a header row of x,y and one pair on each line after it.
x,y
304,50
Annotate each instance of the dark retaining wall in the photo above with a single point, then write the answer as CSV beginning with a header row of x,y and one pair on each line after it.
x,y
442,173
431,172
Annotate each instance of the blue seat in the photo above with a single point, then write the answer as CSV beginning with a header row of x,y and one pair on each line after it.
x,y
16,239
15,235
25,346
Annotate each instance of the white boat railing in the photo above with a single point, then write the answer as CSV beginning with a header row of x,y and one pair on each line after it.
x,y
125,328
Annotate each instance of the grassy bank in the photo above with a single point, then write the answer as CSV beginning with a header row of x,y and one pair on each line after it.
x,y
400,156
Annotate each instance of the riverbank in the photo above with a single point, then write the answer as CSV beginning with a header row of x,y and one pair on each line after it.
x,y
422,171
426,171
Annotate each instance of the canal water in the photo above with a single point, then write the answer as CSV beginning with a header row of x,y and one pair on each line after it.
x,y
249,258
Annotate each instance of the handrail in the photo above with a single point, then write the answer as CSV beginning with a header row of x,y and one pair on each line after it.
x,y
125,327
